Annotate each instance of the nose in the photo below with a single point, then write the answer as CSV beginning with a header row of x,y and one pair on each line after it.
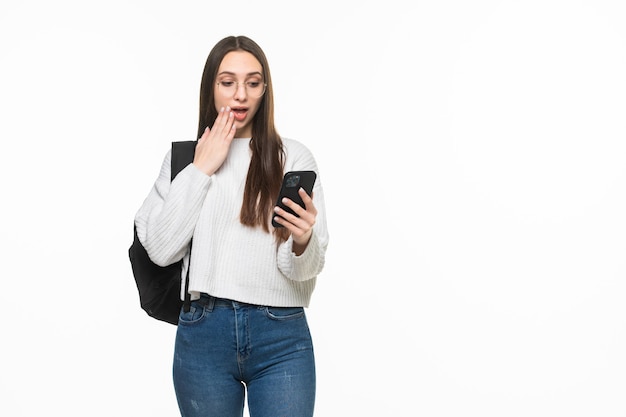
x,y
241,93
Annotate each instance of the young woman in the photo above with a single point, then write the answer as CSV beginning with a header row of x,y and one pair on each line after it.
x,y
246,330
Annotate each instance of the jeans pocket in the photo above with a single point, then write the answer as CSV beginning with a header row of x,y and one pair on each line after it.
x,y
284,313
195,314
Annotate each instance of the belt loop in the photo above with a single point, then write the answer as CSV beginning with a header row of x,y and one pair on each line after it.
x,y
211,303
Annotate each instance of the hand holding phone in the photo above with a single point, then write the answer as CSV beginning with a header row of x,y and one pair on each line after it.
x,y
292,182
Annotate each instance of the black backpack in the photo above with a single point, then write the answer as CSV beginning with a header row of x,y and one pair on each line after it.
x,y
159,287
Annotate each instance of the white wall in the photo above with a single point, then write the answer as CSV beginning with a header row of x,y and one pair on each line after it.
x,y
472,155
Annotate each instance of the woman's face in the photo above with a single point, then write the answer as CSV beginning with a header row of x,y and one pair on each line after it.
x,y
240,86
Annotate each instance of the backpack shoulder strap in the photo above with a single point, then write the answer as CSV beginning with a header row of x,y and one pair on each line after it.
x,y
182,155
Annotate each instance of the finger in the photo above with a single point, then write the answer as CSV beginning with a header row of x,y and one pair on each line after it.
x,y
224,122
303,219
306,199
230,127
291,223
219,121
297,208
205,133
309,207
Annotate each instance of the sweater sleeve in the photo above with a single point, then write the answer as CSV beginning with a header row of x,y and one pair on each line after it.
x,y
166,220
306,266
311,262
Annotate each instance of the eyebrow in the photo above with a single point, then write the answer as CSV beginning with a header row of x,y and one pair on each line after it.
x,y
247,75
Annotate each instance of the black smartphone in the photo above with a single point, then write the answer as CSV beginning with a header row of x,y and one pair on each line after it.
x,y
292,181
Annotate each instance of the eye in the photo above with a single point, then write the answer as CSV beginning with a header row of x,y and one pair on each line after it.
x,y
227,83
254,84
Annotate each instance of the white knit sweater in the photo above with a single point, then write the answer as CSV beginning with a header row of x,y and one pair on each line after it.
x,y
230,260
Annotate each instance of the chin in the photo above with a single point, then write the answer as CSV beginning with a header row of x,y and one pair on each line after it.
x,y
242,129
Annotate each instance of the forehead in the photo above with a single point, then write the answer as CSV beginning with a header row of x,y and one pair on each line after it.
x,y
240,63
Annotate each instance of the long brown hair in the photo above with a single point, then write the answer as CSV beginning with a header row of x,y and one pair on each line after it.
x,y
266,166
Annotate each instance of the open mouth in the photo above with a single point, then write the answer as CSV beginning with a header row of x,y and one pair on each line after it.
x,y
240,113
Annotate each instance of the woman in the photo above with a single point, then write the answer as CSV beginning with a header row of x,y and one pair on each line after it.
x,y
246,330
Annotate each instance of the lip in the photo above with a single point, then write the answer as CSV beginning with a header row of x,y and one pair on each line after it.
x,y
240,113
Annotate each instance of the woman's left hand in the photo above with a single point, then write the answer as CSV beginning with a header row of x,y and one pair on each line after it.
x,y
301,227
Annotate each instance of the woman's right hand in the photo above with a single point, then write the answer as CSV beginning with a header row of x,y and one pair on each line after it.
x,y
213,145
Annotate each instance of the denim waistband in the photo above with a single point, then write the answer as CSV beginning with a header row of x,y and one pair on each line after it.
x,y
209,300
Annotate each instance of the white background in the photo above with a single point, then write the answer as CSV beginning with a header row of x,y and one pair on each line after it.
x,y
473,159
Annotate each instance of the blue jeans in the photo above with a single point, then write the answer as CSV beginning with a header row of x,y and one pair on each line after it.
x,y
224,348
